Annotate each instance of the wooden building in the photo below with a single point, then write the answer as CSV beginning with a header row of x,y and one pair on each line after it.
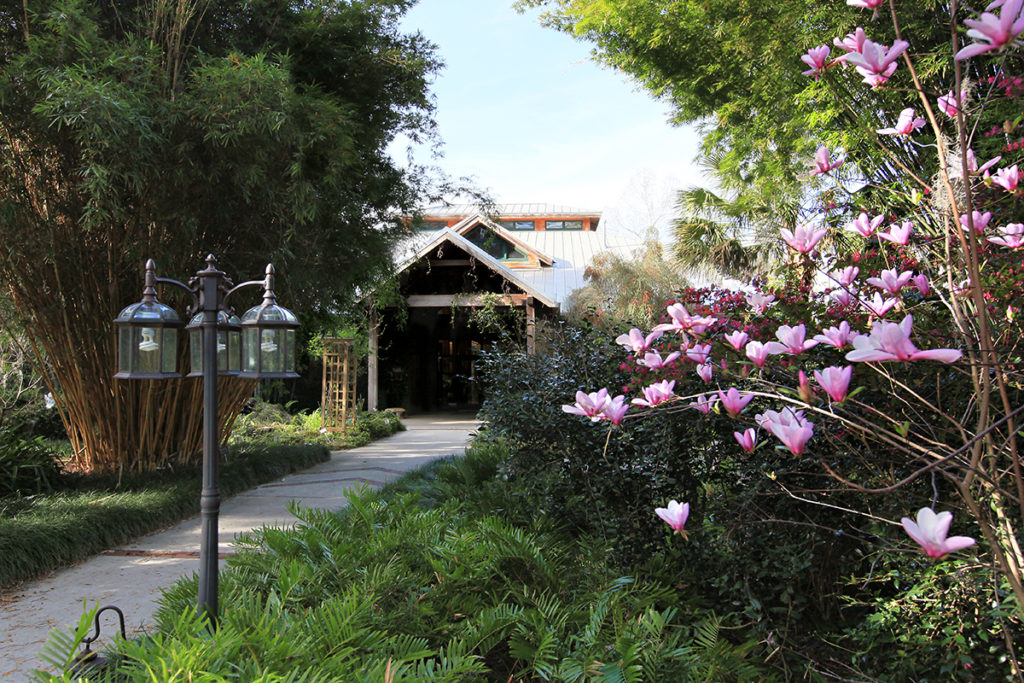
x,y
518,258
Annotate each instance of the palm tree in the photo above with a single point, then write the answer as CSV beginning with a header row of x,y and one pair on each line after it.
x,y
734,233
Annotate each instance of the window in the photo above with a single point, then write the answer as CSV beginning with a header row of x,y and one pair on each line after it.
x,y
429,225
563,225
516,225
494,245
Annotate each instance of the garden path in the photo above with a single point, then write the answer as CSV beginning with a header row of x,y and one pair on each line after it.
x,y
133,576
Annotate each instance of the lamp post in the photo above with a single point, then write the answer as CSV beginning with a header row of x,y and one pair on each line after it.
x,y
261,345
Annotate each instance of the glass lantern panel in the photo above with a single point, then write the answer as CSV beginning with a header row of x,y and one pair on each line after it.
x,y
170,351
289,358
251,349
147,342
195,351
124,349
222,351
234,351
272,349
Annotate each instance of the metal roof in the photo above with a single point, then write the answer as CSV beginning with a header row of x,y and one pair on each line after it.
x,y
498,210
573,252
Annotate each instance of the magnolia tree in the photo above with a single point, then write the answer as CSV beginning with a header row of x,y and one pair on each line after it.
x,y
939,400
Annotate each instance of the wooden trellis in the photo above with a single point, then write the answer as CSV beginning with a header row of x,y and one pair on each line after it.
x,y
338,399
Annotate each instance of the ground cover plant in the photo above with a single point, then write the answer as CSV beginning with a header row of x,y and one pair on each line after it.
x,y
449,575
83,515
50,519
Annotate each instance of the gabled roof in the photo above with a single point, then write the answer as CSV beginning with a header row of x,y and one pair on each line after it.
x,y
448,235
470,222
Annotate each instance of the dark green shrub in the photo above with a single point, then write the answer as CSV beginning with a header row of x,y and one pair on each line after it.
x,y
27,465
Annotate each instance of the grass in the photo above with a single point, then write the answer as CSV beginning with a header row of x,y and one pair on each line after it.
x,y
86,514
91,514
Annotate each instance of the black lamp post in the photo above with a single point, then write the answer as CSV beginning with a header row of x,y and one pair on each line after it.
x,y
148,349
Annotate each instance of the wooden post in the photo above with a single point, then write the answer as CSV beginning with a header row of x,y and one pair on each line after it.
x,y
371,365
531,327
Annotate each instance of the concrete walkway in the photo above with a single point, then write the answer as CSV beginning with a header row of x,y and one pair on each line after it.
x,y
133,576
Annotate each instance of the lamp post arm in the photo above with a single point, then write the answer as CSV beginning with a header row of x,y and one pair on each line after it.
x,y
193,292
249,283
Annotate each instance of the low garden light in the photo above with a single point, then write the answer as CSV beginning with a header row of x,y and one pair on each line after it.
x,y
148,347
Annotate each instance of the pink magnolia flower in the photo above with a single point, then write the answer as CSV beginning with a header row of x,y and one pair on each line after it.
x,y
636,342
889,281
703,403
757,352
835,336
589,405
747,439
867,4
682,321
878,306
822,162
949,104
898,234
922,284
737,339
891,341
847,275
875,62
804,388
616,410
654,361
706,371
1011,236
979,219
675,516
853,42
804,238
734,402
699,353
1007,178
972,163
657,393
817,59
930,531
992,32
864,226
789,426
835,381
759,302
842,297
905,124
793,340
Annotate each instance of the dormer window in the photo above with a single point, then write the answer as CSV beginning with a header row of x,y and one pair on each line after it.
x,y
563,225
494,245
516,225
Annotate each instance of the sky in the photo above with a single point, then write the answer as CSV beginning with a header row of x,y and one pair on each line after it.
x,y
526,112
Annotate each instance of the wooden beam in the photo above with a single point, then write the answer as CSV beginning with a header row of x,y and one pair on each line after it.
x,y
371,365
451,262
464,300
531,327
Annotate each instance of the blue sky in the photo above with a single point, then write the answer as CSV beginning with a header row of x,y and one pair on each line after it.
x,y
526,112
